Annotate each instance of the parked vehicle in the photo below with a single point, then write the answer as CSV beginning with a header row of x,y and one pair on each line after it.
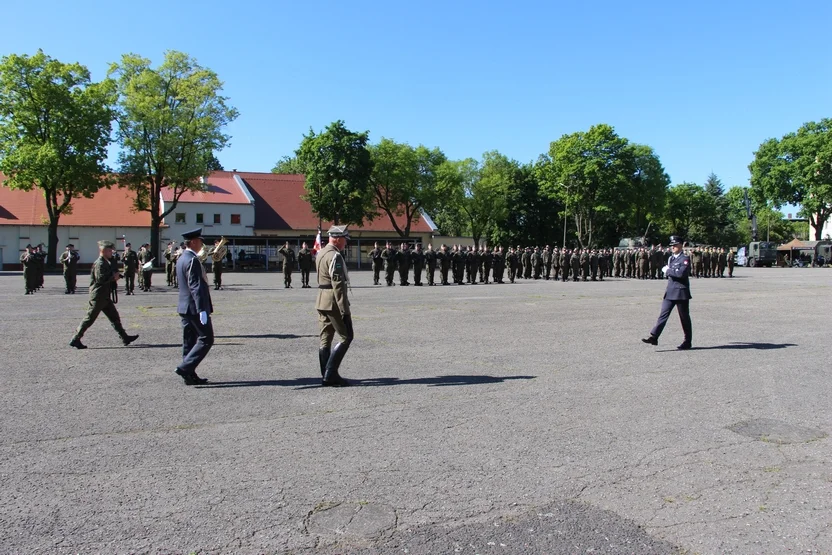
x,y
759,253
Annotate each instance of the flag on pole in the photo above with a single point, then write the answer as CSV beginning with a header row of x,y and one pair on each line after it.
x,y
317,246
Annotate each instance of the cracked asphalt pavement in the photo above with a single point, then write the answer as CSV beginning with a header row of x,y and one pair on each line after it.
x,y
523,418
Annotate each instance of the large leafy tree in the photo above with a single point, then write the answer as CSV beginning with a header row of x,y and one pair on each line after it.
x,y
644,201
687,210
54,131
532,218
338,167
404,181
590,173
797,169
288,165
171,121
477,192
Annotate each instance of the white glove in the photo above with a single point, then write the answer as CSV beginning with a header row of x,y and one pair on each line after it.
x,y
203,318
664,270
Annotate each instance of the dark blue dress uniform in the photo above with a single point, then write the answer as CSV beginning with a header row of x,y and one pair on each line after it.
x,y
194,299
677,295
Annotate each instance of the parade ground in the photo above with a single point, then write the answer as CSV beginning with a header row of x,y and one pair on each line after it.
x,y
524,418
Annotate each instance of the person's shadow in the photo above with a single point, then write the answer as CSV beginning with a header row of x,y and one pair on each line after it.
x,y
740,345
310,383
264,336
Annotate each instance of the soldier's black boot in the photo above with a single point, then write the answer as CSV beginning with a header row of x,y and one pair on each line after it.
x,y
127,339
323,357
331,376
651,340
77,343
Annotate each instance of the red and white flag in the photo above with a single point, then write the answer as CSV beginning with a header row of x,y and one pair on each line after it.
x,y
317,246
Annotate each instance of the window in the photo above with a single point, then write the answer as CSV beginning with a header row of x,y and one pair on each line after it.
x,y
199,218
235,219
217,219
180,218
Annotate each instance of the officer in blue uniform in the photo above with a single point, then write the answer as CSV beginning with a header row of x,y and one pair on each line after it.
x,y
194,309
677,294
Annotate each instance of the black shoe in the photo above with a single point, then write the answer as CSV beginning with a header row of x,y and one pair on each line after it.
x,y
66,292
336,381
684,346
190,378
77,344
651,340
198,380
127,339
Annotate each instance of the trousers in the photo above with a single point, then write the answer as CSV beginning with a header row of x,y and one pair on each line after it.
x,y
683,307
196,341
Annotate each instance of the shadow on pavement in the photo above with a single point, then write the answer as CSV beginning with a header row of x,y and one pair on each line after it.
x,y
738,345
263,336
160,346
307,383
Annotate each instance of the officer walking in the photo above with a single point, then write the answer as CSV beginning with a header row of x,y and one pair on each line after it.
x,y
333,307
103,279
194,309
677,294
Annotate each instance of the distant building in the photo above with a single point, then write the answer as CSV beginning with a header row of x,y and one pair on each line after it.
x,y
256,212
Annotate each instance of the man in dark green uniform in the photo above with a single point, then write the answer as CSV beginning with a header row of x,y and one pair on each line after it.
x,y
565,263
512,263
445,259
28,262
417,260
305,263
377,262
130,260
403,261
486,262
216,266
576,264
333,306
389,256
603,264
103,280
430,261
547,262
458,258
147,275
729,259
593,265
69,260
170,265
288,254
706,262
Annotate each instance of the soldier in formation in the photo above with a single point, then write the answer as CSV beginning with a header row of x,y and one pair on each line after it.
x,y
69,261
305,262
130,263
388,255
377,262
145,257
288,264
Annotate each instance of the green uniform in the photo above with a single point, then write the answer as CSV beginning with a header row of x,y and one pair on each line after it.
x,y
430,261
388,255
28,262
102,284
69,260
378,263
288,264
403,261
305,263
130,260
417,260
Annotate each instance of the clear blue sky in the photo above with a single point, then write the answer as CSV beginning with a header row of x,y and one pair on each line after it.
x,y
703,83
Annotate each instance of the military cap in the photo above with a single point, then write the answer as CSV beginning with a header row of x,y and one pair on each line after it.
x,y
338,231
675,240
70,245
193,234
127,245
105,244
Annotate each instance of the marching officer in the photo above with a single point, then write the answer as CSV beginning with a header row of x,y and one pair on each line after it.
x,y
677,295
333,306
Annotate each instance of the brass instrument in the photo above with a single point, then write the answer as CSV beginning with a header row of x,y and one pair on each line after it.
x,y
203,254
218,255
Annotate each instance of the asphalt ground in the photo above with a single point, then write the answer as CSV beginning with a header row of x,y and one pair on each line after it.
x,y
523,418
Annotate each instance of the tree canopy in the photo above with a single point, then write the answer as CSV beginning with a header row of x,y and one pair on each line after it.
x,y
55,128
338,168
171,120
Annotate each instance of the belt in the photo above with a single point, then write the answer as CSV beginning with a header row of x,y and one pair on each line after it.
x,y
325,287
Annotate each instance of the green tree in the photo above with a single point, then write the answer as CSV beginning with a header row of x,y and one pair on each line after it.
x,y
532,217
644,202
476,192
55,127
687,210
171,121
797,169
338,169
214,164
590,173
288,165
404,181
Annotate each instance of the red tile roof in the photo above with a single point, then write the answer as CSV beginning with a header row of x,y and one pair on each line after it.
x,y
108,208
278,205
221,188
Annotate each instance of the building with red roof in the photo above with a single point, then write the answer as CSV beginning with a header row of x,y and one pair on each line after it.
x,y
256,212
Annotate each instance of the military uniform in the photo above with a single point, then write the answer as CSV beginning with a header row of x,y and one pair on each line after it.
x,y
103,277
430,261
305,263
445,259
403,262
147,275
288,264
69,260
170,265
28,262
333,308
130,261
389,256
417,260
377,263
677,295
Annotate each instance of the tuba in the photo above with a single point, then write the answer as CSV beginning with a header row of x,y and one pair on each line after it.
x,y
218,255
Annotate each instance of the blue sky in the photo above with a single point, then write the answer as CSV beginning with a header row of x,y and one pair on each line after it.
x,y
703,83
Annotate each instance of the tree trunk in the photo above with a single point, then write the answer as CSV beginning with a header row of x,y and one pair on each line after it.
x,y
155,225
52,252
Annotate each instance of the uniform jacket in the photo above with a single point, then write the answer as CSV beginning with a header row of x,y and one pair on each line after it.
x,y
101,279
70,260
288,258
678,278
130,261
305,259
194,296
332,281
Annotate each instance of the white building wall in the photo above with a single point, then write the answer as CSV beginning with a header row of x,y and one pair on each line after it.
x,y
207,209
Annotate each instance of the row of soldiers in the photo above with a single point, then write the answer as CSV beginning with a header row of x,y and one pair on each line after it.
x,y
33,260
471,265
